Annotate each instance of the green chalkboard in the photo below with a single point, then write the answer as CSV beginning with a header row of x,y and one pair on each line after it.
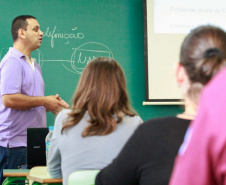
x,y
76,31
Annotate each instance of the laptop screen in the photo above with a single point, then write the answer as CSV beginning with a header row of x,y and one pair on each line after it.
x,y
36,150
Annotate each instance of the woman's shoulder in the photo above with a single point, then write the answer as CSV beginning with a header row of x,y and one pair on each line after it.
x,y
166,120
63,114
132,119
165,123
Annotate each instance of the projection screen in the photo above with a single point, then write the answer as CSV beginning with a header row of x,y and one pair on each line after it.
x,y
166,23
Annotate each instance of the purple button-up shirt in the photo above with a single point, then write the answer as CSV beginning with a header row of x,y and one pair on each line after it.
x,y
17,76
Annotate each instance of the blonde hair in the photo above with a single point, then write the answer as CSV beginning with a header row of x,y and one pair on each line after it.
x,y
102,92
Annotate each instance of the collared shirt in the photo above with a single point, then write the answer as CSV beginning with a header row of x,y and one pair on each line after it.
x,y
31,62
17,76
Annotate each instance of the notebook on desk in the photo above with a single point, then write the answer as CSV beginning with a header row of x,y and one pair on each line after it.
x,y
36,150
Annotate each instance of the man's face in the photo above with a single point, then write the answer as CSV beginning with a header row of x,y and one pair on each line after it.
x,y
33,34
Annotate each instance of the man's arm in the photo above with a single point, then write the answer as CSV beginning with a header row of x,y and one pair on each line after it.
x,y
24,102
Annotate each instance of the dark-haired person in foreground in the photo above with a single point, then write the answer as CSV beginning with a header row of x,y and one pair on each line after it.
x,y
22,102
202,157
148,156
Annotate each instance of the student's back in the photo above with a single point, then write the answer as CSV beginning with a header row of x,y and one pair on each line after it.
x,y
94,130
92,152
148,156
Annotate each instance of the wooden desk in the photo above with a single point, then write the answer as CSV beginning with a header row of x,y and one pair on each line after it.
x,y
16,172
24,174
15,175
41,179
40,175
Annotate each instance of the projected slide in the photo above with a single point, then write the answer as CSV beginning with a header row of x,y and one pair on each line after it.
x,y
176,16
167,22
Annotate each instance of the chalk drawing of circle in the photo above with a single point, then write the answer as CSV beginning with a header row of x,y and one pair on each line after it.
x,y
82,55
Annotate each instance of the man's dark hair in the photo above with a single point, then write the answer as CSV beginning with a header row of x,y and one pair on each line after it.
x,y
18,23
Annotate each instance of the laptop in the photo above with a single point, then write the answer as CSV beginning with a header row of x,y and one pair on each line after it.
x,y
36,149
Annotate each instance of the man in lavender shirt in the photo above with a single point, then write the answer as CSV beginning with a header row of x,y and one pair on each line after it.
x,y
22,103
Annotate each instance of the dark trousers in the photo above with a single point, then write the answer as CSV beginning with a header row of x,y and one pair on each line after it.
x,y
11,158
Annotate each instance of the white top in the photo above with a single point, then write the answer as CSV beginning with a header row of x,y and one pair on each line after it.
x,y
71,152
31,62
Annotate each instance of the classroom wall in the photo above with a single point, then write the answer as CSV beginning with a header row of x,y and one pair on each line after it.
x,y
86,29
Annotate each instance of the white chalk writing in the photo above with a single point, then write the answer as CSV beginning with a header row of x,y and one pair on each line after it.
x,y
58,35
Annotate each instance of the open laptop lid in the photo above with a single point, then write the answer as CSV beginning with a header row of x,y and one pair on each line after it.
x,y
36,150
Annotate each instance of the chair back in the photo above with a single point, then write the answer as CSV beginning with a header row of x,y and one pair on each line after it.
x,y
83,177
38,171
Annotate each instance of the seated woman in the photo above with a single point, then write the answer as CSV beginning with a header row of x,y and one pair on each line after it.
x,y
94,130
148,156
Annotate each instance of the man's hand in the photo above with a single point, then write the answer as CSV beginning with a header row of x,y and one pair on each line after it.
x,y
63,103
55,104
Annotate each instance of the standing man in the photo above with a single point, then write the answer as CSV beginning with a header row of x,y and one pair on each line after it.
x,y
22,103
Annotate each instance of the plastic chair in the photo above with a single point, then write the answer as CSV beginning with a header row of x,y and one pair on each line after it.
x,y
38,170
41,173
83,177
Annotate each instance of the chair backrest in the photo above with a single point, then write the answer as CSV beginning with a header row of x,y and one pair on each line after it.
x,y
38,171
83,177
